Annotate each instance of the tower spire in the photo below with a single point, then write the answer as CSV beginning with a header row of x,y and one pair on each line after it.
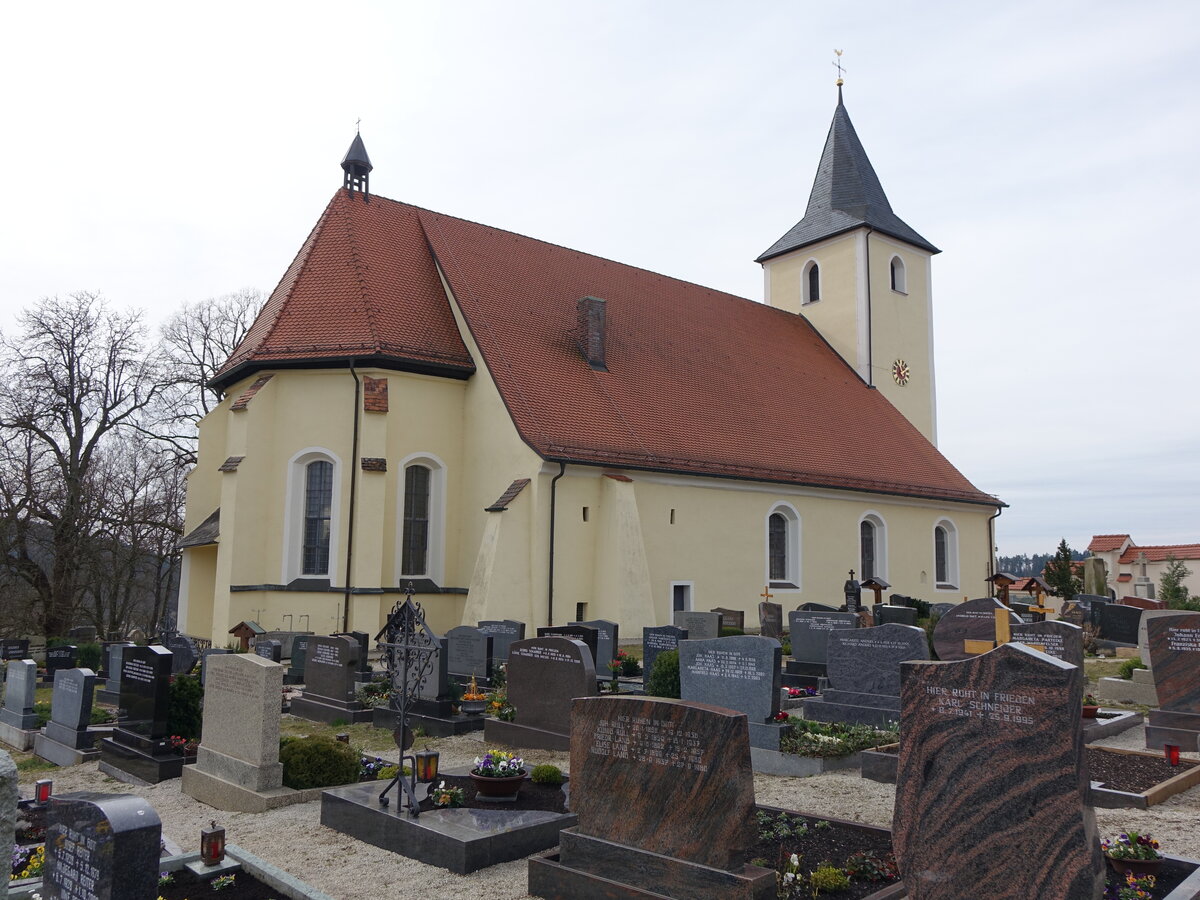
x,y
357,168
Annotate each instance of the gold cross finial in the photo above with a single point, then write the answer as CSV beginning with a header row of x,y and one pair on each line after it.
x,y
766,594
837,63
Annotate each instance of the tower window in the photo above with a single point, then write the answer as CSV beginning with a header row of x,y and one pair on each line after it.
x,y
812,282
899,285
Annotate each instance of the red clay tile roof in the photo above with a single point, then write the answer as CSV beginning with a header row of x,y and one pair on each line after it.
x,y
698,381
1106,543
1161,552
1125,576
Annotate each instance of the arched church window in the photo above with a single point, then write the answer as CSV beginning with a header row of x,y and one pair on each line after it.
x,y
872,540
415,548
899,283
318,509
945,555
812,282
783,547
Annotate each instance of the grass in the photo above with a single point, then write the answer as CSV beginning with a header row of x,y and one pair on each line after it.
x,y
362,736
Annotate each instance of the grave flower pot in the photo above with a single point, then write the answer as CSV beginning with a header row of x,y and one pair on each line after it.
x,y
497,789
474,707
1138,867
1089,712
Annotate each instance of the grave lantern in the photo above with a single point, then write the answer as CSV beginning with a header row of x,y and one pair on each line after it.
x,y
1170,751
44,788
427,765
212,844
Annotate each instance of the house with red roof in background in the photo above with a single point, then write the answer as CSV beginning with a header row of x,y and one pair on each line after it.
x,y
1135,571
520,430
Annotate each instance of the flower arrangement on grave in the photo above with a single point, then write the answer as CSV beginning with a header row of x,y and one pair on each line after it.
x,y
626,664
223,882
780,716
473,692
801,692
1134,887
499,706
182,745
447,797
1131,845
28,862
498,764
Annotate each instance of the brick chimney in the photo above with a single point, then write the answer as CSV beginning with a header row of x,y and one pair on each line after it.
x,y
590,331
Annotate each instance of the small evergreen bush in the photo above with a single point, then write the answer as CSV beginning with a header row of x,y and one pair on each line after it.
x,y
546,774
1127,667
828,879
88,656
730,631
184,701
316,761
664,677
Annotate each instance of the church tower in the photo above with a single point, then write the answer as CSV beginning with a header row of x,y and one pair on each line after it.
x,y
861,276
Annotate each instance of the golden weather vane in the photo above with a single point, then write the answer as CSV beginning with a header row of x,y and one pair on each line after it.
x,y
838,64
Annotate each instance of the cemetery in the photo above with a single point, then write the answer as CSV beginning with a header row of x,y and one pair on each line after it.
x,y
863,756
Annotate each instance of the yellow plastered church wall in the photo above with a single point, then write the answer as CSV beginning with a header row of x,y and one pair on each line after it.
x,y
835,315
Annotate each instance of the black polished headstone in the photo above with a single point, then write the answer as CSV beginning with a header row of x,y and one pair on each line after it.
x,y
101,847
364,646
658,640
299,657
332,666
816,607
607,639
184,653
84,633
810,632
65,656
269,649
10,648
886,614
585,633
503,632
1120,623
145,690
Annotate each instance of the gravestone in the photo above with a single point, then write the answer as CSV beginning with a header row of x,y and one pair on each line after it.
x,y
66,740
269,649
62,657
364,646
990,760
1142,603
1095,607
469,652
18,721
816,607
503,632
731,618
741,673
607,635
1075,612
12,648
1175,658
138,745
809,634
655,641
1021,609
9,794
972,620
83,633
544,675
864,674
586,633
886,614
331,672
700,626
237,766
184,653
770,620
1144,638
101,847
1062,640
295,672
204,657
1120,623
940,609
665,798
111,693
286,638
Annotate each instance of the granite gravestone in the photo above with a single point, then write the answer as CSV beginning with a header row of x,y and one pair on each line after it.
x,y
586,633
940,609
816,607
238,759
364,646
115,653
972,620
101,847
809,636
990,761
1120,623
544,675
184,653
741,673
331,672
145,690
700,626
503,632
665,798
1062,640
864,674
295,672
9,795
1143,603
1144,638
65,656
269,649
204,657
731,618
886,614
469,652
66,740
770,620
18,721
607,634
1175,658
11,648
655,641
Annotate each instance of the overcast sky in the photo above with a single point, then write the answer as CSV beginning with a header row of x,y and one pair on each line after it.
x,y
162,153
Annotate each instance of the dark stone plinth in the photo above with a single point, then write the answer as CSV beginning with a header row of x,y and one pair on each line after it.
x,y
1179,728
66,754
324,709
78,738
974,620
461,840
516,735
119,759
435,726
853,708
879,765
766,736
589,867
991,760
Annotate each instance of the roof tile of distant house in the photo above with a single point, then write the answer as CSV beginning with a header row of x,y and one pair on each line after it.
x,y
1161,552
1106,543
698,381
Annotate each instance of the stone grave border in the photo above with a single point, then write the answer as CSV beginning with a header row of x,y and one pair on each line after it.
x,y
1107,798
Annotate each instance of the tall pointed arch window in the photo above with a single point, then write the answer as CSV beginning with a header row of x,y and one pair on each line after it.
x,y
310,520
872,543
811,282
783,547
318,516
421,537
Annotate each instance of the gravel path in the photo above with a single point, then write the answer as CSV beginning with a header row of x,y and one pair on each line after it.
x,y
293,839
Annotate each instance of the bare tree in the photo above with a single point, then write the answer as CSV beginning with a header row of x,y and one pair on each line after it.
x,y
197,340
76,373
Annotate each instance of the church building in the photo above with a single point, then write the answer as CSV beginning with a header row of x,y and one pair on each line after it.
x,y
524,431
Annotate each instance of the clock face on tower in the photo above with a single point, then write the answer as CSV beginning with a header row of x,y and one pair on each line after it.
x,y
900,372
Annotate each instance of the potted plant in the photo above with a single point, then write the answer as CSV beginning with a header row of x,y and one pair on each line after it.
x,y
1091,706
498,774
474,701
1132,852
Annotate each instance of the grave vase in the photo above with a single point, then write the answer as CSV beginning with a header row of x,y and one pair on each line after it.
x,y
497,789
1089,712
1139,867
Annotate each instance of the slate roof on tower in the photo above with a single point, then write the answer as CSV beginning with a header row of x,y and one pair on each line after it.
x,y
698,381
846,195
